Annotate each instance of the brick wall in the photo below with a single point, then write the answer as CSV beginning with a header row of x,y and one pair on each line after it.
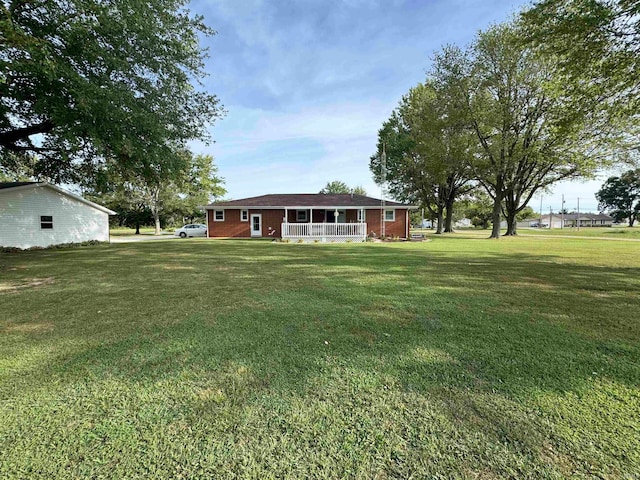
x,y
397,228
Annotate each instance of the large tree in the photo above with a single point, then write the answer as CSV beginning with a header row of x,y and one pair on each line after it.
x,y
427,151
620,196
177,192
527,137
83,81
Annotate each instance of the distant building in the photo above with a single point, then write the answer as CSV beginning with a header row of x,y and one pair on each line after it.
x,y
570,220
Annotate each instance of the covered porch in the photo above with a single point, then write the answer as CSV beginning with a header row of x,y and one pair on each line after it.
x,y
333,225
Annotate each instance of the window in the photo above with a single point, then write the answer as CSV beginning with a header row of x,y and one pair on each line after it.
x,y
218,215
244,215
389,215
361,215
301,216
46,222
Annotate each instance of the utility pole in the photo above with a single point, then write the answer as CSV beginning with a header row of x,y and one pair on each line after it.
x,y
578,218
562,213
550,217
540,223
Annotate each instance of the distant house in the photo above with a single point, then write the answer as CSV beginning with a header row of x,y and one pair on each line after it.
x,y
569,219
36,214
308,217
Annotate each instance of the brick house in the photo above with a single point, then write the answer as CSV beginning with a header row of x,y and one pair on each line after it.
x,y
308,217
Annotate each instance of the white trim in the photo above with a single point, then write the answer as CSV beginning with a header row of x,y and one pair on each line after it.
x,y
306,215
59,190
254,233
362,215
392,210
214,215
243,211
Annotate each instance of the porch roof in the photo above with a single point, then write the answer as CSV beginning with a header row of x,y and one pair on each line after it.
x,y
306,200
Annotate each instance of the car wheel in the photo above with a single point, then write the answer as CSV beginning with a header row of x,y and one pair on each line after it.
x,y
183,235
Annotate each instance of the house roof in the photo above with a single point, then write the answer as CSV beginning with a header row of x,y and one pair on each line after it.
x,y
5,186
306,200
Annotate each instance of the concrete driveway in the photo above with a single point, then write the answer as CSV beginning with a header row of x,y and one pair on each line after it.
x,y
141,238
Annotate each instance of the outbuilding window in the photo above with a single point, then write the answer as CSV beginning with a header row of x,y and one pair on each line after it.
x,y
244,215
361,215
389,215
218,215
46,222
301,216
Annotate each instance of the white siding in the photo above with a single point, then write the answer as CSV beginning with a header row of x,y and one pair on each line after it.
x,y
73,221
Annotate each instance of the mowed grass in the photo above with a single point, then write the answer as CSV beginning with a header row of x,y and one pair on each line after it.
x,y
454,358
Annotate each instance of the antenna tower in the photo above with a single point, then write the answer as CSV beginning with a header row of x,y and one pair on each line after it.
x,y
383,184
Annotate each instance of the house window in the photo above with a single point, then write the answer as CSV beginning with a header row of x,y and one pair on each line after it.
x,y
46,222
218,215
389,215
361,215
301,216
244,215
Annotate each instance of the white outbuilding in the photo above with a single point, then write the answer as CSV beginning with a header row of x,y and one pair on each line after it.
x,y
34,214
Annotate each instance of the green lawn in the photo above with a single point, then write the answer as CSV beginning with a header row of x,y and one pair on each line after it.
x,y
454,358
604,232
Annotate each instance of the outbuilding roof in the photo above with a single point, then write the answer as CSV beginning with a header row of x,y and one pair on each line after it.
x,y
4,185
309,200
26,185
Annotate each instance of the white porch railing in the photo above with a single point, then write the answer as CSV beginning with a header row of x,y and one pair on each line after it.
x,y
325,232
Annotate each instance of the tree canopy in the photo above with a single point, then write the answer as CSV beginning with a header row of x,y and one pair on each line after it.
x,y
596,46
620,196
526,136
338,186
427,153
84,81
176,194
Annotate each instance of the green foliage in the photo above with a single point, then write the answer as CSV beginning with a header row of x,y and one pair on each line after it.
x,y
596,47
453,358
83,81
477,207
526,136
427,151
620,196
338,186
174,195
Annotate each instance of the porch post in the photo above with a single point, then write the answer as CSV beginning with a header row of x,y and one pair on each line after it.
x,y
311,215
286,215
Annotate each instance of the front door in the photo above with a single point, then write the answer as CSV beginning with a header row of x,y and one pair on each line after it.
x,y
256,225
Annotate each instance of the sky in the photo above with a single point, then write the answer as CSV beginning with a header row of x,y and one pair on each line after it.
x,y
307,85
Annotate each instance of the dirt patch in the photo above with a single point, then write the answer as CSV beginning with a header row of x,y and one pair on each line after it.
x,y
29,328
34,282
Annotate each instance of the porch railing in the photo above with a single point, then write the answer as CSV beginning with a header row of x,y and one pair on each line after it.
x,y
325,232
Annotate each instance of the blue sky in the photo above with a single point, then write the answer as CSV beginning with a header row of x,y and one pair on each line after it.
x,y
307,85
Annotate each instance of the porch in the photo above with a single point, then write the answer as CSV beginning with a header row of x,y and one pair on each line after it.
x,y
326,225
325,232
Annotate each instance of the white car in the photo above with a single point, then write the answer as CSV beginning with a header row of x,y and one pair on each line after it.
x,y
192,230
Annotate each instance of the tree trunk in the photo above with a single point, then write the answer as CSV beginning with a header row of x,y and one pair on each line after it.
x,y
511,224
137,228
156,220
495,216
440,218
448,222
